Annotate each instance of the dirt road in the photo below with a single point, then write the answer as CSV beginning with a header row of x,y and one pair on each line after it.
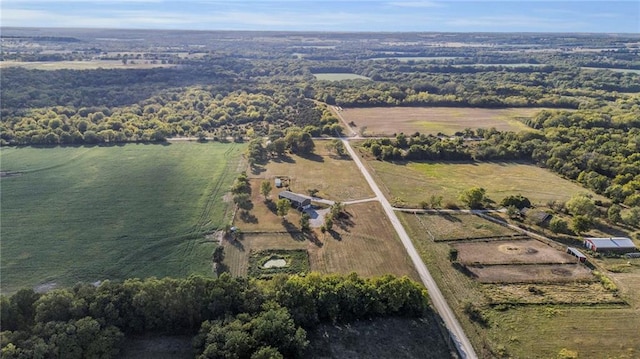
x,y
462,343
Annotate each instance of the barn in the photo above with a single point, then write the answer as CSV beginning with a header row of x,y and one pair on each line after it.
x,y
297,201
613,244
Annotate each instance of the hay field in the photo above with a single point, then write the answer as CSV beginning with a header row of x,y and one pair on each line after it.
x,y
433,120
414,182
95,213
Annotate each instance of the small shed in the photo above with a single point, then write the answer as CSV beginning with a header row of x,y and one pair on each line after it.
x,y
297,201
576,253
278,182
613,244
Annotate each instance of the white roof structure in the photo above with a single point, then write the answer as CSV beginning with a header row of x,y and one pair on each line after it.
x,y
614,243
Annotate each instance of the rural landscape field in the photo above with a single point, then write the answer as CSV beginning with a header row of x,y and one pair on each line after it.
x,y
250,194
94,213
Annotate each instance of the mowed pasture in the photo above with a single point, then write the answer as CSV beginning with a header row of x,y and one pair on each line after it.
x,y
94,213
82,65
454,227
380,121
414,182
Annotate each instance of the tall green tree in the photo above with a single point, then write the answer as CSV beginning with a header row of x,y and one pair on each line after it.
x,y
473,197
265,189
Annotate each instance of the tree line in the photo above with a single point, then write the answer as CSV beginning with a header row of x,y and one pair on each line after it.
x,y
597,148
228,317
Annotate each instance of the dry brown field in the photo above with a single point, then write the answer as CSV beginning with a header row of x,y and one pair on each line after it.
x,y
364,243
518,273
524,251
432,120
336,179
368,246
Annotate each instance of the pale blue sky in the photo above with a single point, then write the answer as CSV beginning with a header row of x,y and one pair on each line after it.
x,y
331,15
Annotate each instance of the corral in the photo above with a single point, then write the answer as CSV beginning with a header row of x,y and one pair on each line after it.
x,y
526,251
519,273
433,120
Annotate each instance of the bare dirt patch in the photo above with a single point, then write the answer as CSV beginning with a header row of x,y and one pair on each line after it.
x,y
447,120
520,273
524,251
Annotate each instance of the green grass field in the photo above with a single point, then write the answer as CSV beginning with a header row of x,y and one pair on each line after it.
x,y
413,182
93,213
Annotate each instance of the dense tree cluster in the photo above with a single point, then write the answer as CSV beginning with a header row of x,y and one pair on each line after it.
x,y
194,112
235,317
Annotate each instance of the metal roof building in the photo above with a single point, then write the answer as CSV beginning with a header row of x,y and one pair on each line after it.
x,y
614,244
576,253
297,201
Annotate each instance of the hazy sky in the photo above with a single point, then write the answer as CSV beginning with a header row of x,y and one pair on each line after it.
x,y
363,15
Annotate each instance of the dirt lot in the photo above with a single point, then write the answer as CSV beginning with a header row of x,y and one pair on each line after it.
x,y
431,120
510,252
520,273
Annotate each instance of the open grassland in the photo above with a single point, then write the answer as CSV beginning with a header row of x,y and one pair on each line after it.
x,y
413,182
82,65
579,316
94,213
452,227
433,120
339,76
542,331
336,179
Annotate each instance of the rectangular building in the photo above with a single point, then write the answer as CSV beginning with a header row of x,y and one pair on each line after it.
x,y
613,244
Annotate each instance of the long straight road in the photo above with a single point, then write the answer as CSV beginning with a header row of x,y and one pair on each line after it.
x,y
462,343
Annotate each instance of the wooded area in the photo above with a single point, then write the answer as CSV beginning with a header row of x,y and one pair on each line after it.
x,y
228,317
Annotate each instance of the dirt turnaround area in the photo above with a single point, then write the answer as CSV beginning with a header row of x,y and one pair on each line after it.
x,y
526,251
